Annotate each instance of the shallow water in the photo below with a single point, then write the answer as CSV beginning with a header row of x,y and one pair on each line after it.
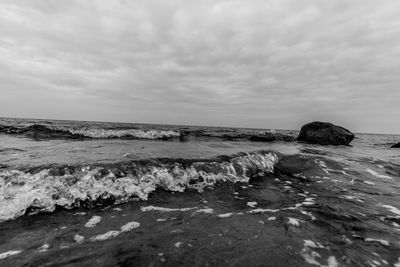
x,y
147,202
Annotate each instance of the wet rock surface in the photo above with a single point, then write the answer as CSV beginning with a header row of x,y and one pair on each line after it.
x,y
396,145
325,133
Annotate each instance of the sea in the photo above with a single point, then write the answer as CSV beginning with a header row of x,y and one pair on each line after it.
x,y
77,193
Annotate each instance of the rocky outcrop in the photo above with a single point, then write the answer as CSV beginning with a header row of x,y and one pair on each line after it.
x,y
325,133
396,145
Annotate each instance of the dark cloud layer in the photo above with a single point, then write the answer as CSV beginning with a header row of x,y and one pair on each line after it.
x,y
274,64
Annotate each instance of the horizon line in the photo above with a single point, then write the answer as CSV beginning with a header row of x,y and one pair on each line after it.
x,y
166,124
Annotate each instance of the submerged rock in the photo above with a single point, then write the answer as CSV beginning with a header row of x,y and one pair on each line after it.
x,y
325,133
396,145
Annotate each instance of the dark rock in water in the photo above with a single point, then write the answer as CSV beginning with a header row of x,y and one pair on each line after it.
x,y
325,133
396,145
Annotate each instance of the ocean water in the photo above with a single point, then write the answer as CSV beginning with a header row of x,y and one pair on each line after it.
x,y
116,194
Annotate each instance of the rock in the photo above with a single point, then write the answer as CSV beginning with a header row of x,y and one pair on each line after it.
x,y
325,133
396,145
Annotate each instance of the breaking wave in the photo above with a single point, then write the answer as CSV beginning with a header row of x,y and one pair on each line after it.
x,y
39,131
43,189
105,133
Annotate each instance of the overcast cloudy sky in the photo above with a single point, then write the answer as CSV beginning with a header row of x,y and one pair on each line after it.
x,y
248,63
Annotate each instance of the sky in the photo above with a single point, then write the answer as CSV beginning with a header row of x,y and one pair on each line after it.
x,y
241,63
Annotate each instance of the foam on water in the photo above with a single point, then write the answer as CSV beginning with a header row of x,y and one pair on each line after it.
x,y
112,133
312,257
391,209
111,234
374,173
294,222
161,209
251,204
44,248
205,210
225,215
260,210
129,226
105,236
9,253
78,238
93,221
43,131
44,189
381,241
178,244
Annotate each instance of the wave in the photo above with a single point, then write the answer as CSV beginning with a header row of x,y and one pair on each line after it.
x,y
39,131
43,189
105,133
44,132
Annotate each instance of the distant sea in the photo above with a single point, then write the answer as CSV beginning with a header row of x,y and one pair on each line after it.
x,y
76,193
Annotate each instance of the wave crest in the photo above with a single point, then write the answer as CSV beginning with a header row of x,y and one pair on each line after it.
x,y
43,190
38,131
108,133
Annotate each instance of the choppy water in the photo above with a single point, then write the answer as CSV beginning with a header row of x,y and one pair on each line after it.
x,y
93,193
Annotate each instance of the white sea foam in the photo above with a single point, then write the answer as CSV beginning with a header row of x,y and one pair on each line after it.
x,y
309,201
205,210
9,253
44,247
105,236
129,226
381,241
111,234
374,173
311,256
251,204
294,221
225,215
93,221
398,263
43,191
112,133
391,209
78,238
178,244
260,210
161,209
308,214
332,262
312,244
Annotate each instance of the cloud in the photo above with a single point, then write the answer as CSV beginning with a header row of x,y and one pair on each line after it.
x,y
241,63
